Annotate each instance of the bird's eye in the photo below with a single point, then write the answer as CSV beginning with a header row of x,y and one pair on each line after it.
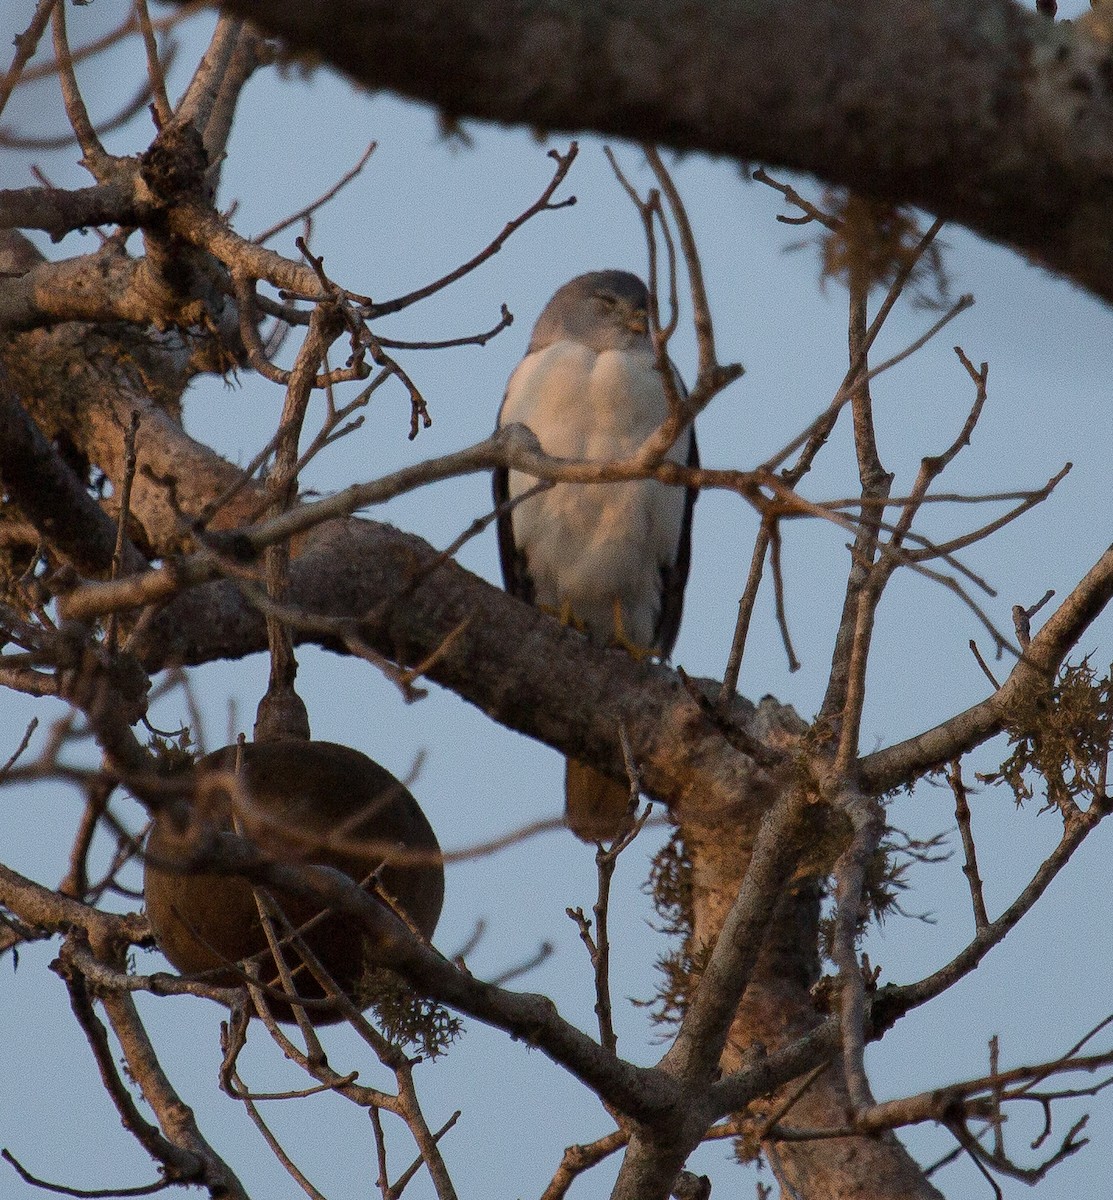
x,y
606,300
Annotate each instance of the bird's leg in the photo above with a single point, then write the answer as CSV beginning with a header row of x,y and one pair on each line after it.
x,y
619,637
566,615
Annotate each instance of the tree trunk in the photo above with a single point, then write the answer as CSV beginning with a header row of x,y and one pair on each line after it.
x,y
777,1008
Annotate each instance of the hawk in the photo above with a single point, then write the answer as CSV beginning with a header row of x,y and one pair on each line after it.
x,y
610,558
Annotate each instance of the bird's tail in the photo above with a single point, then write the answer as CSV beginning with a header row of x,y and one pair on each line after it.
x,y
596,808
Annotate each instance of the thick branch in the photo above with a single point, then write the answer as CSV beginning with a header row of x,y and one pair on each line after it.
x,y
57,211
517,664
695,1054
971,109
51,496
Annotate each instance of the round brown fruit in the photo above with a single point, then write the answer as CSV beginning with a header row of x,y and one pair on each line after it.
x,y
290,797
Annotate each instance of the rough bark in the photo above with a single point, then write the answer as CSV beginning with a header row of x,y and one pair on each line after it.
x,y
411,602
778,1008
519,666
971,109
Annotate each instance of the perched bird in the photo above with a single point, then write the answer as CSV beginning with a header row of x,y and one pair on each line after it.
x,y
610,558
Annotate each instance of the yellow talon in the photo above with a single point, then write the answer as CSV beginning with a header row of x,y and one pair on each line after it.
x,y
620,639
568,617
565,615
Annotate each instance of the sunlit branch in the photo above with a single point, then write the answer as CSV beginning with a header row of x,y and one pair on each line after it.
x,y
970,866
881,770
95,156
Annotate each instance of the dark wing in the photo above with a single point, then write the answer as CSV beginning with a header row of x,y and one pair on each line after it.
x,y
675,577
515,576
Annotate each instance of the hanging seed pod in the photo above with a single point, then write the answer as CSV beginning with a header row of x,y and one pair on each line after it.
x,y
300,802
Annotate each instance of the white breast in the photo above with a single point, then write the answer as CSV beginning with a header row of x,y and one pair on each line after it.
x,y
587,544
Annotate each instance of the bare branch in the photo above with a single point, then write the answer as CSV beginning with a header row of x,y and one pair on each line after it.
x,y
898,1000
970,866
26,44
1022,618
147,1189
578,1159
135,105
809,211
129,27
544,203
970,728
52,497
57,212
321,200
746,604
694,1055
96,159
872,127
277,1150
156,67
868,822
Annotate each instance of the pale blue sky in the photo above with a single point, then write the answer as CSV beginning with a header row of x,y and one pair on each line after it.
x,y
423,204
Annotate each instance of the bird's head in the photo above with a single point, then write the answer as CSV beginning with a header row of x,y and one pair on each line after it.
x,y
606,310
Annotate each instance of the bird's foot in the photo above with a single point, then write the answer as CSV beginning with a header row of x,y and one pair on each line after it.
x,y
620,638
565,615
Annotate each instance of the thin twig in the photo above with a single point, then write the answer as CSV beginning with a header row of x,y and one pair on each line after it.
x,y
399,1184
76,881
970,866
135,105
122,522
998,1119
779,595
19,751
901,999
746,604
156,68
810,211
543,952
277,1149
26,43
845,696
652,217
96,159
544,203
1022,618
506,319
814,437
302,213
147,1189
578,1159
383,1181
701,309
129,27
982,663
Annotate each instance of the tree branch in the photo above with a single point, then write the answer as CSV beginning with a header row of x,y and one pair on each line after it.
x,y
972,109
886,768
